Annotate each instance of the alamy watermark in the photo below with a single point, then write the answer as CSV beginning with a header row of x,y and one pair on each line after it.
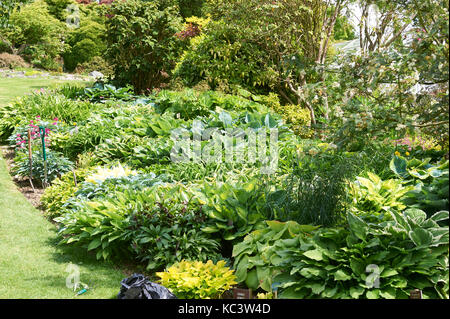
x,y
230,145
73,16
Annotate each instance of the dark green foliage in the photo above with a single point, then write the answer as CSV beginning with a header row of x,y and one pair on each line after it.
x,y
57,8
189,8
223,58
315,192
142,47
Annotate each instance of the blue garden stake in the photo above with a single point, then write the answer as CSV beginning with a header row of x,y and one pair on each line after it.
x,y
42,133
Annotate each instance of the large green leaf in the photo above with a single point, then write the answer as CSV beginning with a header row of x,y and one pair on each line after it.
x,y
314,254
398,166
341,275
94,244
356,292
358,226
439,216
421,237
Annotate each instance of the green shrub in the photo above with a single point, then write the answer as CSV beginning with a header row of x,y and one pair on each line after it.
x,y
430,182
190,103
37,35
85,43
96,63
57,8
374,196
222,57
54,197
233,210
299,119
197,280
252,255
141,42
159,225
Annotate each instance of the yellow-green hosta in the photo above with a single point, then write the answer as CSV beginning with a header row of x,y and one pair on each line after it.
x,y
103,173
198,280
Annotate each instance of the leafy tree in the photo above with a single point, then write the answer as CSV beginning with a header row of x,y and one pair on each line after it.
x,y
401,81
37,35
293,37
141,44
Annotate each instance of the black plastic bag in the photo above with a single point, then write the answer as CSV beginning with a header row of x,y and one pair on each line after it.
x,y
139,287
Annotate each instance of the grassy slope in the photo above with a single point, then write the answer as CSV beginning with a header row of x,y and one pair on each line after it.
x,y
31,266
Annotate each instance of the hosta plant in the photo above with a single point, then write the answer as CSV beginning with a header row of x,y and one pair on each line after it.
x,y
375,196
430,181
367,260
233,210
253,256
197,280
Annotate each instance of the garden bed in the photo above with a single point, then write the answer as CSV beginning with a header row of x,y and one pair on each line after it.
x,y
124,189
33,195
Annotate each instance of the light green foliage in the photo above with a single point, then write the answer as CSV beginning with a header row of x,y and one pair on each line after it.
x,y
374,196
37,35
299,119
197,280
60,191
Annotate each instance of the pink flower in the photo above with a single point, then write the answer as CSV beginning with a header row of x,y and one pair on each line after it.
x,y
31,122
55,119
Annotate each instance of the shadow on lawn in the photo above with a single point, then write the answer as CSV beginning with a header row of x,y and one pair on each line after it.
x,y
98,272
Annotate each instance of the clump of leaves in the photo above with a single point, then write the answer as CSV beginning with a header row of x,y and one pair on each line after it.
x,y
361,260
374,196
197,280
57,165
430,183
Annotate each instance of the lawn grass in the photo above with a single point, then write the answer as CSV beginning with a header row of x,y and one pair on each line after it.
x,y
32,266
13,87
